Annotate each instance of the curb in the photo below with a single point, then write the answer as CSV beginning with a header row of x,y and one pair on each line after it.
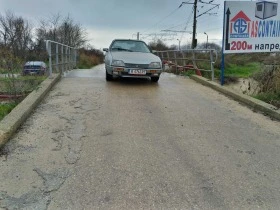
x,y
22,111
254,103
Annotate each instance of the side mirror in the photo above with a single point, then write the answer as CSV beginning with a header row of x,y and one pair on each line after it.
x,y
105,49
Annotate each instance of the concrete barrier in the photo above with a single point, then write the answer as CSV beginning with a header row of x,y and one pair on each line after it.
x,y
254,103
21,112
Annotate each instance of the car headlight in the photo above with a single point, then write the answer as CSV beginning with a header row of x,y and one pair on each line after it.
x,y
117,63
155,65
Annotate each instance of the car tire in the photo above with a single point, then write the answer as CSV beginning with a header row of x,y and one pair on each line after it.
x,y
154,79
109,77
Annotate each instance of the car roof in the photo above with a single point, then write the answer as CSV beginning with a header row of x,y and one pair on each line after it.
x,y
34,63
127,40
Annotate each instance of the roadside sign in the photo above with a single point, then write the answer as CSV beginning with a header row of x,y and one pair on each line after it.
x,y
251,26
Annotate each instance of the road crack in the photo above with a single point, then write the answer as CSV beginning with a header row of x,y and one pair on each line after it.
x,y
30,200
52,181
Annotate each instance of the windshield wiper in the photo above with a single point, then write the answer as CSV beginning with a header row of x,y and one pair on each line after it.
x,y
121,49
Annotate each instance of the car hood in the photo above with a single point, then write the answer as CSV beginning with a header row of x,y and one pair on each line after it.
x,y
135,57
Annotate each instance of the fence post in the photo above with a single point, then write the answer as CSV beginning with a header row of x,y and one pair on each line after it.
x,y
69,61
184,60
62,60
168,58
212,67
49,49
56,57
75,58
193,60
175,58
76,54
67,55
65,59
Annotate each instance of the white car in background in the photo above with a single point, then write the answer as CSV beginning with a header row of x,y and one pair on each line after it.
x,y
131,58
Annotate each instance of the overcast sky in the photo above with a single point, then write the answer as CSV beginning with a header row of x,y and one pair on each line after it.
x,y
106,20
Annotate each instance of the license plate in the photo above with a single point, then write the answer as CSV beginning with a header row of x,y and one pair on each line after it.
x,y
137,71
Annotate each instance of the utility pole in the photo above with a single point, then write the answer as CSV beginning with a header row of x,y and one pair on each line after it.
x,y
194,40
138,35
195,16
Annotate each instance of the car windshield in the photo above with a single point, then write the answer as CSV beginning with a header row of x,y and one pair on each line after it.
x,y
129,46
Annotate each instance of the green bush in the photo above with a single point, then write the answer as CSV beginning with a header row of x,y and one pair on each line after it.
x,y
87,61
269,82
269,79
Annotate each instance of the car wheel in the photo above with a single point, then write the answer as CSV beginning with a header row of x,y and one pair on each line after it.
x,y
154,79
109,77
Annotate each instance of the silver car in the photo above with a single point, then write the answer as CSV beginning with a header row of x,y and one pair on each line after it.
x,y
34,68
131,58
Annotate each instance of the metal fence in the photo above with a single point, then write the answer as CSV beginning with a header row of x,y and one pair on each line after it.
x,y
189,59
61,57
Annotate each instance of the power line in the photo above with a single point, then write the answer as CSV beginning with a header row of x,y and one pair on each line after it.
x,y
210,2
194,40
182,24
207,11
189,19
184,29
160,35
163,19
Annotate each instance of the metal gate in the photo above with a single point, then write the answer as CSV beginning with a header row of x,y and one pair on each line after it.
x,y
62,58
190,59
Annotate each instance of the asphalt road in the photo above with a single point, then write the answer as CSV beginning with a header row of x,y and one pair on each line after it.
x,y
133,144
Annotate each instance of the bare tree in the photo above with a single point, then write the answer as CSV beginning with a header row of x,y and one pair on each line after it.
x,y
65,31
15,34
211,45
160,45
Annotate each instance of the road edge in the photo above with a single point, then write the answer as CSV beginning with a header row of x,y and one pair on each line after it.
x,y
254,103
22,111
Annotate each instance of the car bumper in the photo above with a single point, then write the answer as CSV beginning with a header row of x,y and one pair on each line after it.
x,y
33,72
124,72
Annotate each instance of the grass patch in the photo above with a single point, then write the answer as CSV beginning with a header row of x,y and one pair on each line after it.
x,y
20,84
38,78
6,71
242,71
6,109
189,73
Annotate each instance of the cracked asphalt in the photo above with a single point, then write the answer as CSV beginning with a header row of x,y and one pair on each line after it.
x,y
133,144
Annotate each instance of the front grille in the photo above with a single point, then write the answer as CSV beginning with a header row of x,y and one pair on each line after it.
x,y
140,66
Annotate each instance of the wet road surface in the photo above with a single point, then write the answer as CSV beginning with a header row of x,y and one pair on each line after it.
x,y
133,144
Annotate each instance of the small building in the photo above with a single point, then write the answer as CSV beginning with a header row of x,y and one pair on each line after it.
x,y
266,9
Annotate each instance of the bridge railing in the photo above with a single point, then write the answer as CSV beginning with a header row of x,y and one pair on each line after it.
x,y
189,59
62,58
